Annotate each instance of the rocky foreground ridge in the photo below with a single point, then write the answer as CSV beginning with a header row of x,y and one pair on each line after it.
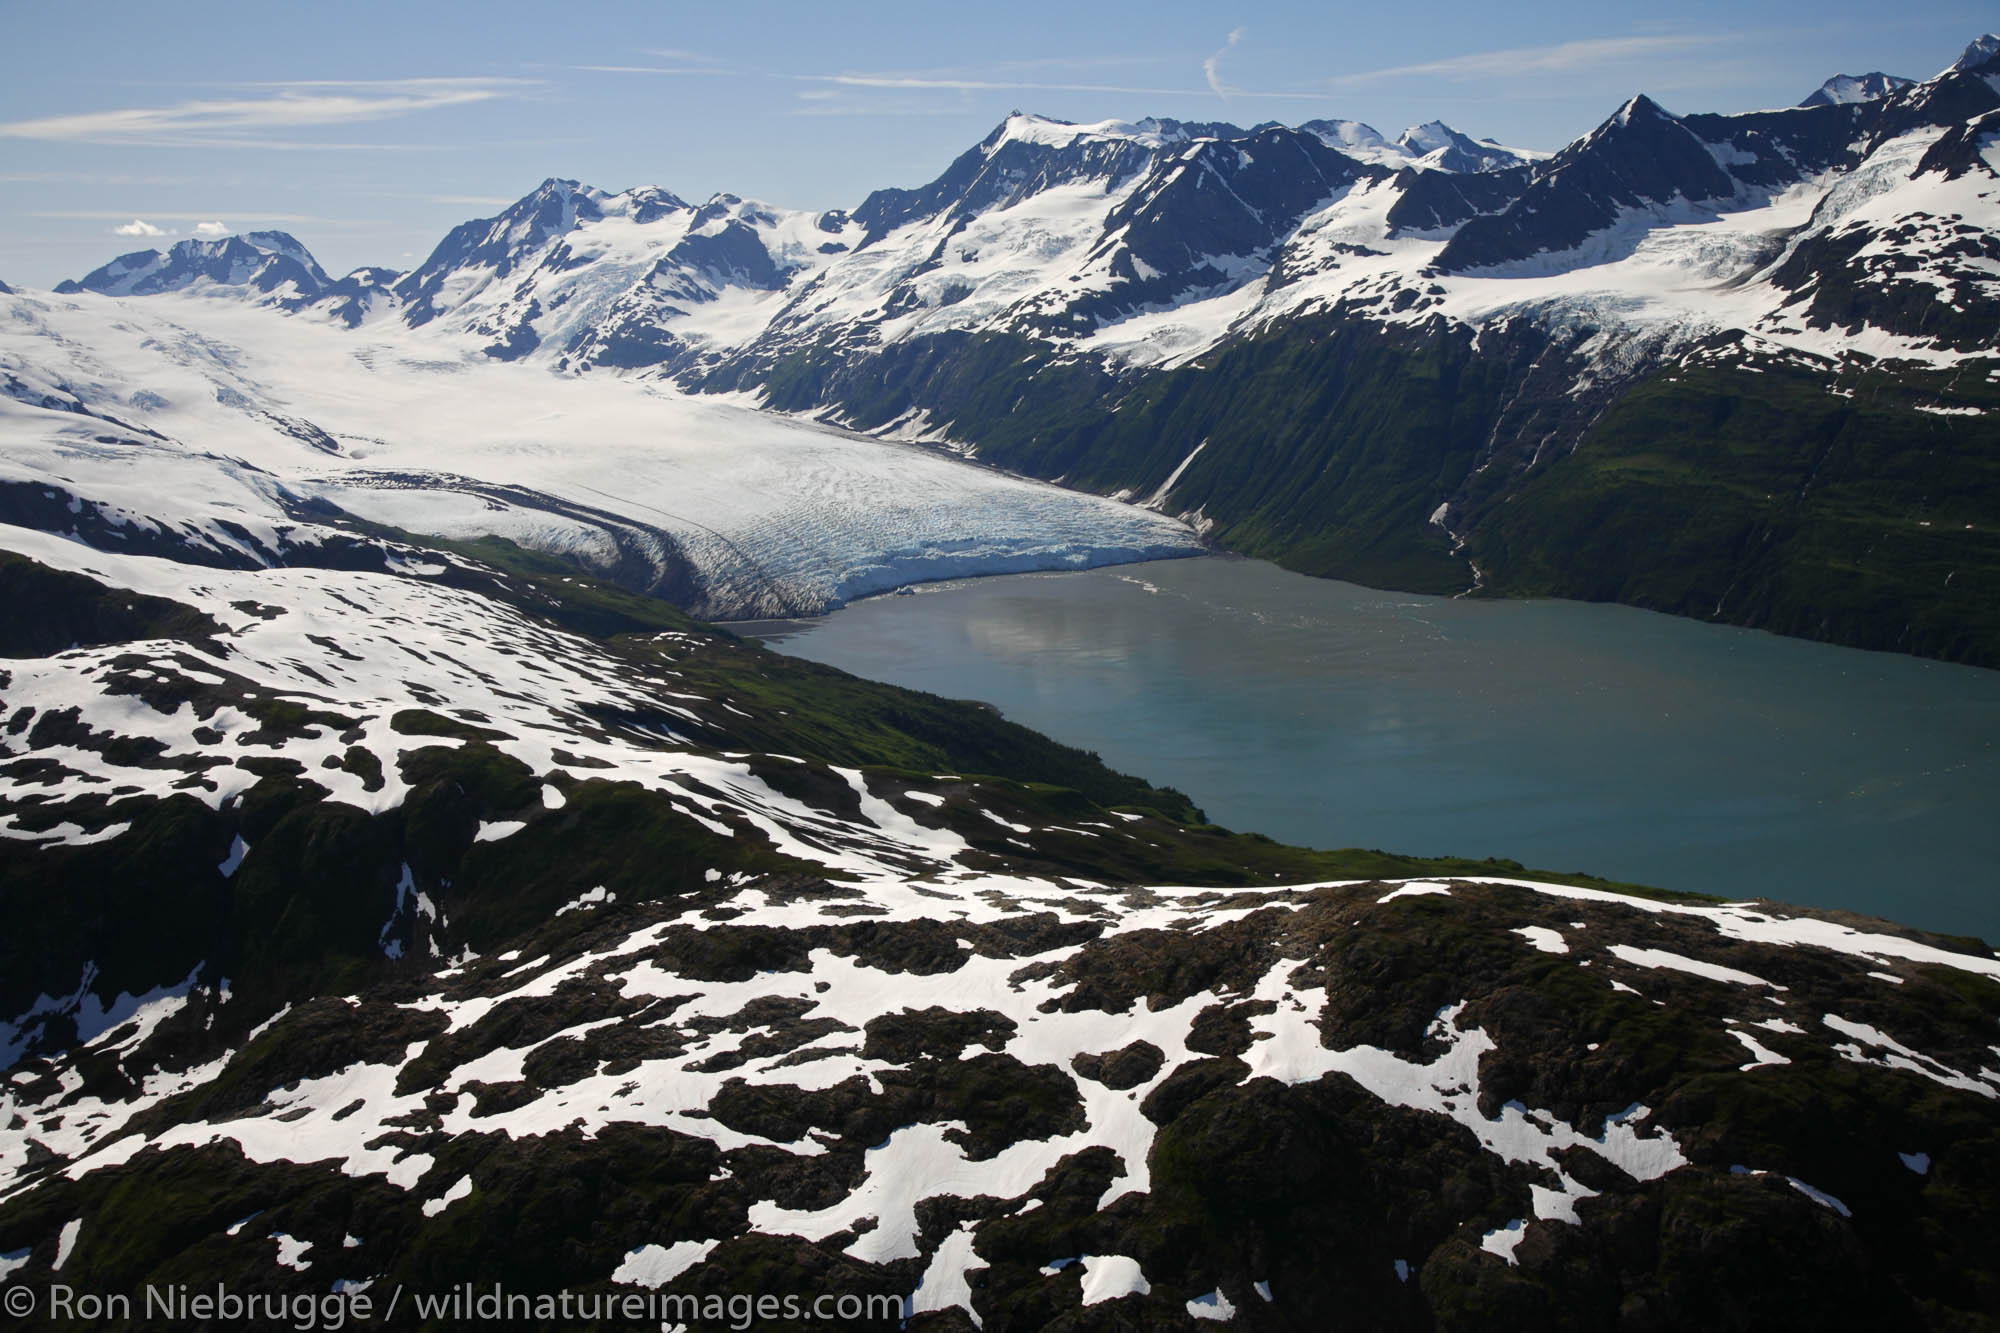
x,y
450,918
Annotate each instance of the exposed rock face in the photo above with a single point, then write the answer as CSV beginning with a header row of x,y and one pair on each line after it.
x,y
1434,1104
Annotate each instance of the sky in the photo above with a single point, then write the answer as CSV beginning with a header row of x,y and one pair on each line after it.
x,y
370,128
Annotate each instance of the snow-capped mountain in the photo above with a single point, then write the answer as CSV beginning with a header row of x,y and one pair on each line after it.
x,y
271,264
1977,55
1438,146
1842,89
631,279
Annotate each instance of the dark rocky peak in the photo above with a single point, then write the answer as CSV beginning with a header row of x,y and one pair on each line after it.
x,y
1440,200
5,290
1947,101
1643,157
373,275
554,207
501,243
1183,130
1771,150
353,297
1231,197
1208,205
1023,156
1844,89
725,251
1979,55
646,203
1962,148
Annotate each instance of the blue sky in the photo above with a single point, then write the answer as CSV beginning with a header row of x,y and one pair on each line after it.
x,y
369,128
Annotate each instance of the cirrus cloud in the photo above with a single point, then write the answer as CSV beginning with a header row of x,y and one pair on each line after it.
x,y
227,122
1211,68
1517,62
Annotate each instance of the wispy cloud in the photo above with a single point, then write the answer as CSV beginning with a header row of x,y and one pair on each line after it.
x,y
952,83
861,109
1002,78
211,228
680,56
138,227
100,215
100,178
1563,57
694,71
252,121
1211,68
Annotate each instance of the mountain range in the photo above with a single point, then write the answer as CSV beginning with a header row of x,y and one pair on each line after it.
x,y
1730,366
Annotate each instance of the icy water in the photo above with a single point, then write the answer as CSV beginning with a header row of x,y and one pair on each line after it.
x,y
1566,736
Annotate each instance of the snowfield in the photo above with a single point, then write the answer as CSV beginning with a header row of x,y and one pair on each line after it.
x,y
185,409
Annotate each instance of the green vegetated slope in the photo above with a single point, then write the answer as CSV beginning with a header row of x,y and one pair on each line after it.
x,y
1325,446
1777,496
1856,505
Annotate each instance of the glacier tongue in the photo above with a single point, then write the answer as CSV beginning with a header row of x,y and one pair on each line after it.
x,y
227,419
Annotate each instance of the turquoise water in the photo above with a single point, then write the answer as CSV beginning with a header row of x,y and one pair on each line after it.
x,y
1566,736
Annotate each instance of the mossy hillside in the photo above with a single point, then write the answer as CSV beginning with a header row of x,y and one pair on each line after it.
x,y
1777,496
145,906
785,705
50,610
1326,445
1316,1189
814,712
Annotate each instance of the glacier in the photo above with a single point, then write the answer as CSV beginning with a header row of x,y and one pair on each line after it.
x,y
197,414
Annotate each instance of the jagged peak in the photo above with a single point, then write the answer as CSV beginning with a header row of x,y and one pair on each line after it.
x,y
279,242
1641,107
1979,53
